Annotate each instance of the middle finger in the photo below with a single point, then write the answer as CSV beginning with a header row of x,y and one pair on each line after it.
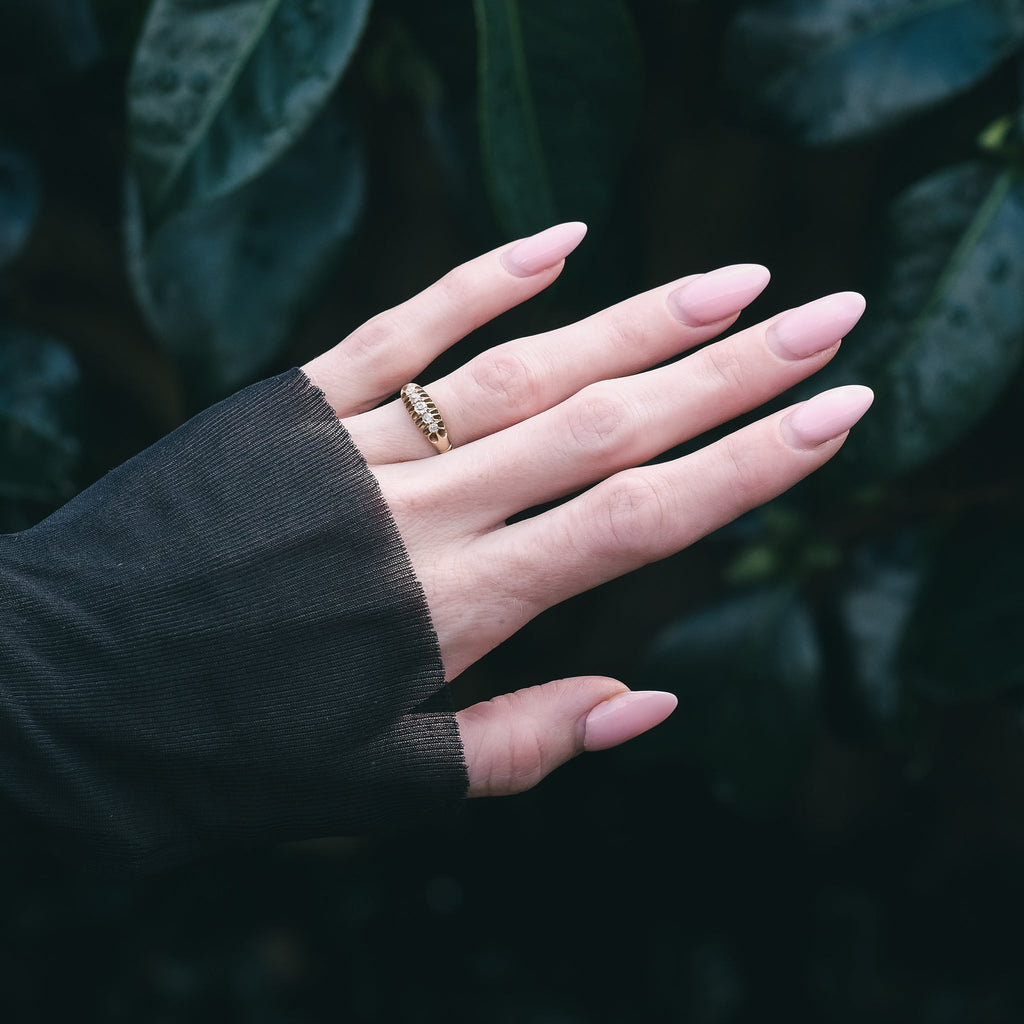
x,y
615,424
521,378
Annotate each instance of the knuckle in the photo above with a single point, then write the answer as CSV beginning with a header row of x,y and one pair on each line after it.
x,y
504,376
371,339
600,418
723,369
456,289
746,472
517,757
633,516
622,327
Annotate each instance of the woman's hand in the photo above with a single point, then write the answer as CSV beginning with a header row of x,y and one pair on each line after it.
x,y
541,417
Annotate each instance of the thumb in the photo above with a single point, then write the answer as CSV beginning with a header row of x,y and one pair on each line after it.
x,y
513,741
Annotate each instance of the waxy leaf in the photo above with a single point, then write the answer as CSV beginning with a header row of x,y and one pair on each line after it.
x,y
945,332
442,54
47,38
746,672
559,92
223,284
964,640
38,450
862,620
824,71
19,203
219,90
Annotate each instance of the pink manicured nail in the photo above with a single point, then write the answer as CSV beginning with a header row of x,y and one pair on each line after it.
x,y
808,329
718,294
621,718
538,252
826,416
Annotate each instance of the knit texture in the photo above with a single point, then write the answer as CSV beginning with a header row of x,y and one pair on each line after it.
x,y
222,642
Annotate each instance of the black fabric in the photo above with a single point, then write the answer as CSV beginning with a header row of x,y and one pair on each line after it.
x,y
222,642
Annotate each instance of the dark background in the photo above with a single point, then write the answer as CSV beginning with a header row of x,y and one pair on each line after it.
x,y
830,827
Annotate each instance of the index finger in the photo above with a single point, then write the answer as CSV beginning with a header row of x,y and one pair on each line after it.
x,y
392,348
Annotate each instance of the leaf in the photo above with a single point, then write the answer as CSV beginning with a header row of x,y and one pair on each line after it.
x,y
945,333
38,451
559,92
826,71
224,283
1018,118
119,23
862,623
964,641
746,672
439,76
19,203
220,90
43,38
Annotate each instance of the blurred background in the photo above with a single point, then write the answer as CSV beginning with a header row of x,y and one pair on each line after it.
x,y
195,194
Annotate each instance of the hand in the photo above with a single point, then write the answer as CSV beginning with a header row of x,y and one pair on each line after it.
x,y
538,418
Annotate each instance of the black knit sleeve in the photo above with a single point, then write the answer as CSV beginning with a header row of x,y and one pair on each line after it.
x,y
222,642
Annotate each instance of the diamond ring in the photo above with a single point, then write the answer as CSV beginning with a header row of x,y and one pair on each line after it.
x,y
421,408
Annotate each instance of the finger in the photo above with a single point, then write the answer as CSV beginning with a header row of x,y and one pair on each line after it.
x,y
515,740
392,348
637,516
521,378
645,514
615,424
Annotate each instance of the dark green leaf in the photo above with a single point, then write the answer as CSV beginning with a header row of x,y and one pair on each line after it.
x,y
747,673
945,334
964,640
830,70
119,23
862,622
1019,119
219,90
559,91
41,38
19,203
445,58
223,283
38,451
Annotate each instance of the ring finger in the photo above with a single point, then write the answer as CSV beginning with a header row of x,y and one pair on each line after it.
x,y
521,378
614,424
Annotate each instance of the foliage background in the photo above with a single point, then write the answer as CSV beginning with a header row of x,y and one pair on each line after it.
x,y
830,827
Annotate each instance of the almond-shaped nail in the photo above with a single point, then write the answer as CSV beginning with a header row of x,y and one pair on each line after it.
x,y
621,718
531,255
826,416
808,329
718,294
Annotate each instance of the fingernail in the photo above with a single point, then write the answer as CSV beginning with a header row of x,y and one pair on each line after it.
x,y
717,294
808,329
538,252
614,721
826,416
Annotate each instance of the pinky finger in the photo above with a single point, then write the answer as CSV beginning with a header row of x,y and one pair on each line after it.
x,y
644,514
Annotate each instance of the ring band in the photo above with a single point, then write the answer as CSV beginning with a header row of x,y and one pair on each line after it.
x,y
420,406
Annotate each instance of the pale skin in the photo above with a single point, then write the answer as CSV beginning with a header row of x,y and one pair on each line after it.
x,y
575,409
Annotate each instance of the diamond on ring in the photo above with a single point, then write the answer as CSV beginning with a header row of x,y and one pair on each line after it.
x,y
420,406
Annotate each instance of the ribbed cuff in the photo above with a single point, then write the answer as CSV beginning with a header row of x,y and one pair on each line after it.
x,y
223,641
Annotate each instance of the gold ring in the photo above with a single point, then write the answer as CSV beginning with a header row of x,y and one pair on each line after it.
x,y
420,406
